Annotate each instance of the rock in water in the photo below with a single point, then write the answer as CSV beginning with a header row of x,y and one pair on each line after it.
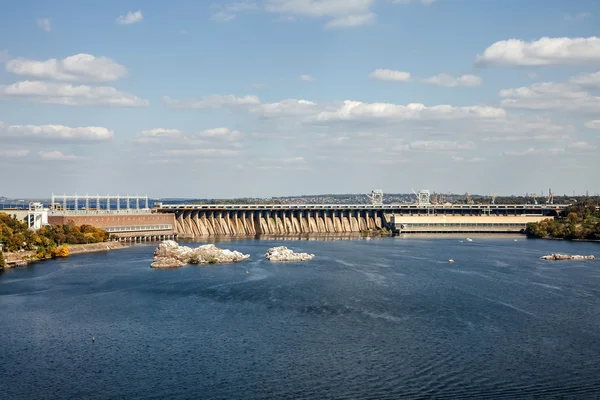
x,y
558,256
169,254
282,253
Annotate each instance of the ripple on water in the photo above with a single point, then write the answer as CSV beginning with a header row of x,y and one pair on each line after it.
x,y
379,320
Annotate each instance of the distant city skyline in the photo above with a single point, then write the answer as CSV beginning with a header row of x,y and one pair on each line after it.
x,y
274,98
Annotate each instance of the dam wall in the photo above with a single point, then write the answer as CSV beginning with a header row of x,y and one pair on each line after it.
x,y
276,222
197,220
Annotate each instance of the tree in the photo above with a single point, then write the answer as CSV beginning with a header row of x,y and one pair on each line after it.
x,y
2,263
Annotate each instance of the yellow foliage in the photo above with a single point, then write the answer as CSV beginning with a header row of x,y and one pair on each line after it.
x,y
63,251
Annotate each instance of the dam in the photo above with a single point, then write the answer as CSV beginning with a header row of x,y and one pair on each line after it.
x,y
197,220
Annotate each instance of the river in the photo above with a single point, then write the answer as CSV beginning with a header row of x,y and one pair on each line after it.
x,y
384,318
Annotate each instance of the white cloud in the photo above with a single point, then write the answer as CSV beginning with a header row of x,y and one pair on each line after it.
x,y
306,78
212,101
44,24
79,67
578,17
156,135
351,21
66,94
221,133
285,108
13,153
203,152
342,13
589,79
468,160
440,145
55,132
450,81
130,18
356,110
533,151
56,156
551,96
229,12
390,75
223,16
543,52
581,145
595,124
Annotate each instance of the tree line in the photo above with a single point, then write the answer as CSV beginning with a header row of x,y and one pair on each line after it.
x,y
49,240
580,221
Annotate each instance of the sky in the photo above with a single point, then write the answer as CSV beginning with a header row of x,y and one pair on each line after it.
x,y
288,97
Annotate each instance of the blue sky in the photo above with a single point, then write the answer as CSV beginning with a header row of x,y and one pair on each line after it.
x,y
287,97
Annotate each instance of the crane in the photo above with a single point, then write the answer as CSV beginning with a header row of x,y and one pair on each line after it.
x,y
534,198
550,199
494,199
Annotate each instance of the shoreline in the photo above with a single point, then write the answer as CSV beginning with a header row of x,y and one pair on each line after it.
x,y
16,260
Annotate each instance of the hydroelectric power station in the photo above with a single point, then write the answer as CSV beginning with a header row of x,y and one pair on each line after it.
x,y
196,220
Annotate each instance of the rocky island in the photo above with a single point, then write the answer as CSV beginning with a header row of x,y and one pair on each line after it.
x,y
566,257
170,254
282,253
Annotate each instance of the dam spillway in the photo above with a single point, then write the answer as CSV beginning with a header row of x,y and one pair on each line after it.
x,y
197,220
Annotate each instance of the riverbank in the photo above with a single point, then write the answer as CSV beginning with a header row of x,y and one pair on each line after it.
x,y
20,259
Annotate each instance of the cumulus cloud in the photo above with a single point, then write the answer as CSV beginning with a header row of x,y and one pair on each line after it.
x,y
56,156
55,132
588,79
543,52
285,108
356,110
551,96
13,153
79,67
306,78
595,124
450,81
390,75
212,101
221,133
130,18
66,94
341,13
156,135
44,24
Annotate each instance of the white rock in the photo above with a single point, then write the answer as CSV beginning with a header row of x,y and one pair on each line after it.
x,y
558,256
170,254
282,253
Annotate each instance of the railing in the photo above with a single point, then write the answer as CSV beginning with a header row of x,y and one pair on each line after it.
x,y
167,207
141,228
100,212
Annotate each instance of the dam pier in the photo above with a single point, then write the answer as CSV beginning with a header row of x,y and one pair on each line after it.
x,y
197,220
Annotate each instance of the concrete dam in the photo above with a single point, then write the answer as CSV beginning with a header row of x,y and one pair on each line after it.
x,y
193,220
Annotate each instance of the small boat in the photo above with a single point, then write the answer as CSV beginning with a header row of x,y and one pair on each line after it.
x,y
469,240
450,260
516,240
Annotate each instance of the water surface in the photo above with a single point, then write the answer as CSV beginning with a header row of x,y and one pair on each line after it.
x,y
369,319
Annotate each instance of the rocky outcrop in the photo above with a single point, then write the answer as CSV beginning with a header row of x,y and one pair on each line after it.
x,y
566,257
169,254
282,253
